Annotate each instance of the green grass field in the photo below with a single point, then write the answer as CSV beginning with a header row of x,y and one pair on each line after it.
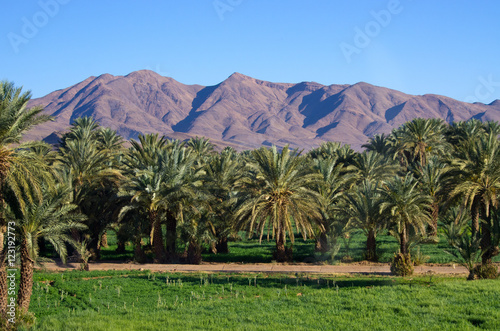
x,y
139,300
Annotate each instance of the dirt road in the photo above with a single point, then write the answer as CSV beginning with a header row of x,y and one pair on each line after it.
x,y
351,268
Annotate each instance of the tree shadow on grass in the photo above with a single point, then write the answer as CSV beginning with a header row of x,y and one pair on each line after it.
x,y
274,281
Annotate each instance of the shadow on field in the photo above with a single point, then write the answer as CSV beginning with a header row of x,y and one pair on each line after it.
x,y
265,281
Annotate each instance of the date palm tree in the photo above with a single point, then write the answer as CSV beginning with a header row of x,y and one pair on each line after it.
x,y
223,176
281,196
434,180
421,138
379,143
93,172
373,166
477,174
161,174
407,208
50,219
363,212
16,170
336,180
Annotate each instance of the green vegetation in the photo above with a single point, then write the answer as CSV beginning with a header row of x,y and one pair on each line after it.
x,y
145,301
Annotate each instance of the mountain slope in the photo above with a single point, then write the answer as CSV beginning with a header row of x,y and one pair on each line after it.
x,y
244,112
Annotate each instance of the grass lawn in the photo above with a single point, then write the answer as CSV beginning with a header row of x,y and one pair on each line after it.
x,y
139,300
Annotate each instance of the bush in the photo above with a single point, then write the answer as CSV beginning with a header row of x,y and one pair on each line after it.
x,y
401,265
488,271
419,258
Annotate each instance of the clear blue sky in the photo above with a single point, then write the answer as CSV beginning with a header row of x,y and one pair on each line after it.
x,y
447,47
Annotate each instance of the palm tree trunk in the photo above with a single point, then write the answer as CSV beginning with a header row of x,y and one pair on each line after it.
x,y
139,255
104,239
475,218
435,214
486,242
3,271
158,247
280,247
403,241
120,247
3,286
194,253
26,282
371,246
222,246
171,237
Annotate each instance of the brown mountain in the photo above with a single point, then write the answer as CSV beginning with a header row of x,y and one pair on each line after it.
x,y
244,112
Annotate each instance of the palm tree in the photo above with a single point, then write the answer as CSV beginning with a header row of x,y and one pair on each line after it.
x,y
465,247
434,180
420,138
161,175
202,147
458,133
280,195
344,153
379,143
180,186
144,187
16,171
336,180
223,175
477,174
94,175
373,166
407,207
363,212
50,219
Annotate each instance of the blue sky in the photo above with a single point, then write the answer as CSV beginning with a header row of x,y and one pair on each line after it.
x,y
448,47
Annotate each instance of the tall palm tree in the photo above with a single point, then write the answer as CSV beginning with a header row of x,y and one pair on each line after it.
x,y
161,175
336,180
94,174
280,195
373,166
344,153
434,180
421,138
180,186
407,207
50,219
144,187
477,174
202,147
223,176
379,143
363,211
16,170
458,133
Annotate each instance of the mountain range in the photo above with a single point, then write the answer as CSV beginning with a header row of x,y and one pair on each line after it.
x,y
244,112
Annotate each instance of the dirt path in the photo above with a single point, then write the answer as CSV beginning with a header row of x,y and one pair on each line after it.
x,y
351,268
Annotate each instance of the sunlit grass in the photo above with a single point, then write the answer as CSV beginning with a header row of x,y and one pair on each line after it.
x,y
140,300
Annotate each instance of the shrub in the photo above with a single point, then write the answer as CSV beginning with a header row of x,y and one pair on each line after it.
x,y
488,271
401,265
419,258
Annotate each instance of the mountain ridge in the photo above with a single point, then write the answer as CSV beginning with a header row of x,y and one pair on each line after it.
x,y
245,112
